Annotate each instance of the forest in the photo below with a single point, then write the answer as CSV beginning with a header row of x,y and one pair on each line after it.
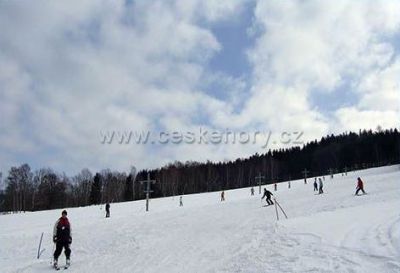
x,y
31,190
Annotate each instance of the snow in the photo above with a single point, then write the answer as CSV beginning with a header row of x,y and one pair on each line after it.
x,y
333,232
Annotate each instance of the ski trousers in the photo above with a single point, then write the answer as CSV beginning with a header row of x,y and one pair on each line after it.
x,y
360,189
59,248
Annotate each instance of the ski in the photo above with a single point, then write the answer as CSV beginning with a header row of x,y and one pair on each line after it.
x,y
57,268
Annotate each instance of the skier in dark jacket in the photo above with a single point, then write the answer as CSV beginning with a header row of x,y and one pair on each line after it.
x,y
107,210
222,196
360,186
267,195
320,191
62,238
315,185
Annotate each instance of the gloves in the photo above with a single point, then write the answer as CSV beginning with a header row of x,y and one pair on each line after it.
x,y
54,239
70,240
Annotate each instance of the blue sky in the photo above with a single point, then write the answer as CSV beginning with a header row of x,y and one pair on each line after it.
x,y
78,68
235,39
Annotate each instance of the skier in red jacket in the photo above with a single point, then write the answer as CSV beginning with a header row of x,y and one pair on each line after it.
x,y
62,238
360,186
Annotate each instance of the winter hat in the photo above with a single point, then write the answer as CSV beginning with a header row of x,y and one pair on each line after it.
x,y
64,212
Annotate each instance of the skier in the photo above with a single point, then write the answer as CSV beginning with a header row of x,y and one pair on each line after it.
x,y
252,191
107,210
315,184
267,195
275,187
320,186
62,238
222,196
360,186
180,201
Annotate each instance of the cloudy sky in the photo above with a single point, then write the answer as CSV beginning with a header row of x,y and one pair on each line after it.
x,y
70,70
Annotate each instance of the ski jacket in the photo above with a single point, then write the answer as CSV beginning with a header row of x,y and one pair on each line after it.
x,y
62,231
107,206
267,194
360,184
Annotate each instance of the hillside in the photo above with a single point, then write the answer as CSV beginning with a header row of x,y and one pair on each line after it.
x,y
333,232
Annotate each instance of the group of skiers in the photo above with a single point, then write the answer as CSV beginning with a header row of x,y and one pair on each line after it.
x,y
318,187
62,235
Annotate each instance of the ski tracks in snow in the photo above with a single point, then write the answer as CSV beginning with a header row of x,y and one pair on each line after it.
x,y
284,251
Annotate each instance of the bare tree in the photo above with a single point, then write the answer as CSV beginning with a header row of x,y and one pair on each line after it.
x,y
82,183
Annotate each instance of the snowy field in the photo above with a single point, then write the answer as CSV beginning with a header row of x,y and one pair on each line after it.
x,y
333,232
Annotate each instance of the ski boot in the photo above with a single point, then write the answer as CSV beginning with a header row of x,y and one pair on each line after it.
x,y
55,264
67,263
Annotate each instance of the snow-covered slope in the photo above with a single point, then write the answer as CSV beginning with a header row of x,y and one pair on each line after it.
x,y
333,232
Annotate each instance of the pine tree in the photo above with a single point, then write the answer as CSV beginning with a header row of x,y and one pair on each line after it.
x,y
95,194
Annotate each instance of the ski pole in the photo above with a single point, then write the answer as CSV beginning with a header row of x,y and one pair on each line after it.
x,y
40,244
276,211
281,208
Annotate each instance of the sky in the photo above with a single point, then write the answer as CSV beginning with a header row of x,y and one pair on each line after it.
x,y
72,71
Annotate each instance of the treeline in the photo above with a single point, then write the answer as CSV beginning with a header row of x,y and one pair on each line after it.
x,y
28,190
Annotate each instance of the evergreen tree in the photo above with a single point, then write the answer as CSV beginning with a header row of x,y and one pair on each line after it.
x,y
95,193
128,193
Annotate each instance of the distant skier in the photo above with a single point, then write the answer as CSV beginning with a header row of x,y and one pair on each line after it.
x,y
222,196
267,194
315,184
275,187
180,201
252,191
360,186
107,210
320,186
62,238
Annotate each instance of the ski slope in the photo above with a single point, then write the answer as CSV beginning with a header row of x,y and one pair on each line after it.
x,y
333,232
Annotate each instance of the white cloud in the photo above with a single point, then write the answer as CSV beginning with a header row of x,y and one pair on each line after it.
x,y
380,89
314,46
354,119
74,70
71,70
379,103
